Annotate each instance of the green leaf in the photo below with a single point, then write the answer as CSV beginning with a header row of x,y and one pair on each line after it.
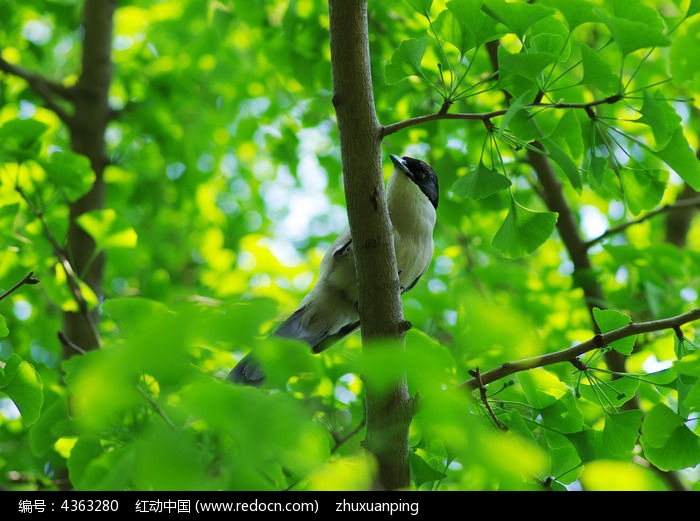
x,y
517,16
693,8
568,132
451,29
85,451
476,26
685,56
541,387
667,442
563,415
587,443
563,455
602,179
22,384
524,230
54,423
421,472
562,159
109,230
661,118
524,64
71,173
642,188
4,331
609,320
620,434
406,60
20,139
606,475
481,182
633,25
549,36
680,156
608,393
575,12
422,6
597,72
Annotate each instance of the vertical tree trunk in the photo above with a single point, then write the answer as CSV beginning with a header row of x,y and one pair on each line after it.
x,y
87,129
388,412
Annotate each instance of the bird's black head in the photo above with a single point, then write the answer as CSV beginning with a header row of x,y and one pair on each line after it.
x,y
420,173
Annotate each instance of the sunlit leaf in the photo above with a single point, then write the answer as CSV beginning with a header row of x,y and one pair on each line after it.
x,y
642,188
20,139
108,229
605,475
524,230
685,55
4,331
422,6
542,387
20,382
576,12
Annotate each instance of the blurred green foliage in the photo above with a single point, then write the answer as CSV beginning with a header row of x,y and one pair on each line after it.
x,y
224,187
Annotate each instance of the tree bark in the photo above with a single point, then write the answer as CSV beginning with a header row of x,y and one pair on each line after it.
x,y
87,130
388,412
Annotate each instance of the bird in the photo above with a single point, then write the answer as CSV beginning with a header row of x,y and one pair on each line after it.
x,y
330,310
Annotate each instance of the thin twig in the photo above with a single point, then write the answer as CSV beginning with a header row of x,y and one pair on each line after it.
x,y
567,355
680,204
476,373
29,279
484,116
156,407
69,344
340,440
45,88
71,277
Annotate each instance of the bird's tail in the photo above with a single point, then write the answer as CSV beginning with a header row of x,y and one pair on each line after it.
x,y
247,372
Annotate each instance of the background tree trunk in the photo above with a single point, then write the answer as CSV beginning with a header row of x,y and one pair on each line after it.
x,y
87,129
388,412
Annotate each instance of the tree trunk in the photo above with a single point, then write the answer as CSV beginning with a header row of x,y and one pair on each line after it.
x,y
388,412
87,129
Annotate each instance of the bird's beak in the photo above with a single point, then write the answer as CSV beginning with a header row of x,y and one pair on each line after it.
x,y
400,164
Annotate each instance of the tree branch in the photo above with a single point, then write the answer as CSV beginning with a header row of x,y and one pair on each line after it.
x,y
29,279
45,88
485,116
71,277
568,355
681,204
388,410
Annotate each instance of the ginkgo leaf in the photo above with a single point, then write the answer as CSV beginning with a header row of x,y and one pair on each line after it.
x,y
481,182
406,60
524,230
22,384
108,229
71,173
